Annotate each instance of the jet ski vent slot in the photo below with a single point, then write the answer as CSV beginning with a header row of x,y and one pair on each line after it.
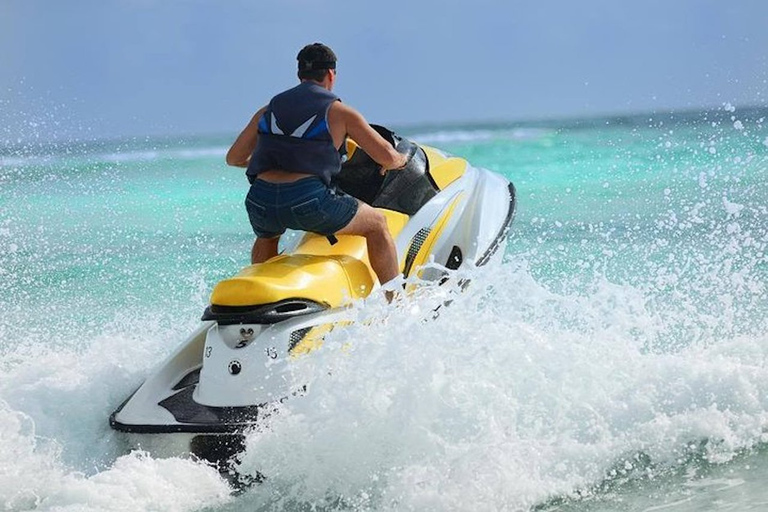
x,y
263,313
290,307
416,243
296,337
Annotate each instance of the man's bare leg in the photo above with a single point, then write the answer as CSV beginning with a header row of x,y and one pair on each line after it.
x,y
263,249
382,254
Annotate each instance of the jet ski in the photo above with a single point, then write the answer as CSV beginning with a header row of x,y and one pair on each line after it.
x,y
443,214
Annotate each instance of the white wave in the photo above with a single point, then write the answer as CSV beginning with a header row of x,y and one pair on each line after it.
x,y
128,156
20,161
8,161
57,451
202,152
513,395
463,136
33,477
170,154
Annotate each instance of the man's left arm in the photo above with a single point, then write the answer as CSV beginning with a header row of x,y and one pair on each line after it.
x,y
240,153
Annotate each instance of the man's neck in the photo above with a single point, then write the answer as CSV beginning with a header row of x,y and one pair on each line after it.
x,y
325,84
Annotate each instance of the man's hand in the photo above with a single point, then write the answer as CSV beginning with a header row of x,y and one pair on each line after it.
x,y
398,165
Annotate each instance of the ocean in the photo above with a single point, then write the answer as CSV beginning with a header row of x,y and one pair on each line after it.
x,y
615,360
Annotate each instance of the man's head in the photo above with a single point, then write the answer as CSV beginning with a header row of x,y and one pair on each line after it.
x,y
315,62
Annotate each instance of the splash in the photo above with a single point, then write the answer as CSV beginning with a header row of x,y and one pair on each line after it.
x,y
32,477
514,394
624,336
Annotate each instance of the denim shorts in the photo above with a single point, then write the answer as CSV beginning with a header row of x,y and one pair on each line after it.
x,y
307,204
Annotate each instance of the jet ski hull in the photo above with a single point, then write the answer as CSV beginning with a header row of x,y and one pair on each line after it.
x,y
236,367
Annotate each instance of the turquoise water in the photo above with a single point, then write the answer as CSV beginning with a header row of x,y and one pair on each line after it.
x,y
616,360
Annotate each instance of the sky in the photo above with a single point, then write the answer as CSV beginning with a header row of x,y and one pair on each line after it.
x,y
106,68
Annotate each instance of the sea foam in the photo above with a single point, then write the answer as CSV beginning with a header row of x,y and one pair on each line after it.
x,y
513,395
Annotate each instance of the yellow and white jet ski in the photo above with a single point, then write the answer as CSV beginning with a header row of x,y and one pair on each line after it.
x,y
223,378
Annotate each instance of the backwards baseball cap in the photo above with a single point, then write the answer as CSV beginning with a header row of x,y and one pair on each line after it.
x,y
315,57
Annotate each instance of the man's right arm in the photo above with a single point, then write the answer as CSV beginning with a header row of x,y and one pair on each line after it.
x,y
366,137
240,153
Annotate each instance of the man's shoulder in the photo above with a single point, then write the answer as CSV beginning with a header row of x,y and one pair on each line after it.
x,y
341,109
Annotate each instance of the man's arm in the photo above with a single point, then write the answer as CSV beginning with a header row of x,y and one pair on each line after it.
x,y
240,153
366,137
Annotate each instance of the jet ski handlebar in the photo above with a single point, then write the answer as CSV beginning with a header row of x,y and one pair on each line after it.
x,y
403,190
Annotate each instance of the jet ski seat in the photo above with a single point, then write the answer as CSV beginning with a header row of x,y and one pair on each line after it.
x,y
325,274
317,271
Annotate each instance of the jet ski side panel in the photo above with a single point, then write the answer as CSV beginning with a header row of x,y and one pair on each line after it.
x,y
141,408
501,236
482,221
460,235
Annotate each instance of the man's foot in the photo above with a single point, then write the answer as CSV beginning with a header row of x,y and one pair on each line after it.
x,y
393,289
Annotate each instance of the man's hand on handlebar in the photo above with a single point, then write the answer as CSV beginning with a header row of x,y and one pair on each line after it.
x,y
403,161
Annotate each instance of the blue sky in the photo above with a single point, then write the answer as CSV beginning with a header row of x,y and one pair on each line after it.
x,y
105,68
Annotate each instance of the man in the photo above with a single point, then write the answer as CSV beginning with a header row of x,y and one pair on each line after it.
x,y
293,148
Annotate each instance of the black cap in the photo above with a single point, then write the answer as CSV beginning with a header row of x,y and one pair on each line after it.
x,y
315,57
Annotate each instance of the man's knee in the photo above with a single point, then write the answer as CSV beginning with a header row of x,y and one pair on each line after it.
x,y
367,222
378,222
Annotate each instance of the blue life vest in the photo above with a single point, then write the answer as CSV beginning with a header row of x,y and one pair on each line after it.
x,y
294,134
